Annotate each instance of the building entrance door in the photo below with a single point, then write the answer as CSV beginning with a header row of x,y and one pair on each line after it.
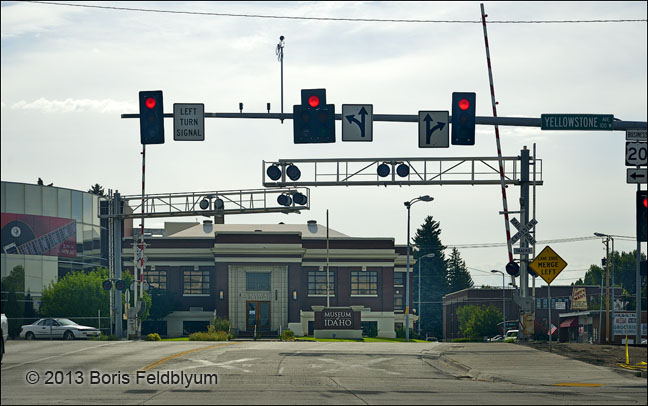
x,y
258,313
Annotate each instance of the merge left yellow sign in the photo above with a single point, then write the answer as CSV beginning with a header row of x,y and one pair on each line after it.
x,y
548,264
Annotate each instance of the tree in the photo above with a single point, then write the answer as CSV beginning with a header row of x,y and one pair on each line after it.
x,y
98,190
624,276
433,276
13,294
77,295
476,322
163,302
458,277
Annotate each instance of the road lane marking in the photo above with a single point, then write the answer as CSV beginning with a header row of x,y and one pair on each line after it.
x,y
62,355
180,354
578,384
226,364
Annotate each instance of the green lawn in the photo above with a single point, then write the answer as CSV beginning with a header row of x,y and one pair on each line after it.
x,y
309,338
365,339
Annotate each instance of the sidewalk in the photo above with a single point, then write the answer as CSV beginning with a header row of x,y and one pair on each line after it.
x,y
524,365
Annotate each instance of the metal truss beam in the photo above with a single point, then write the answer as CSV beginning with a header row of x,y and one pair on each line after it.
x,y
189,204
423,171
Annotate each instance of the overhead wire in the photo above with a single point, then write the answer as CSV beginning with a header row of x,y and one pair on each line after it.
x,y
378,20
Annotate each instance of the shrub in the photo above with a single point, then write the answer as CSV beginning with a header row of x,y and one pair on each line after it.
x,y
153,337
208,336
287,335
221,324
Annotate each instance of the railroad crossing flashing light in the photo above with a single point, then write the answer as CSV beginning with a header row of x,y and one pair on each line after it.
x,y
151,110
513,269
273,172
403,170
463,118
383,170
313,120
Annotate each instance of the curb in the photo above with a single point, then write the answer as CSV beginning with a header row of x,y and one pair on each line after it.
x,y
621,370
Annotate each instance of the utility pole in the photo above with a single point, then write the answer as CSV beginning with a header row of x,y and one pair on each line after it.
x,y
607,289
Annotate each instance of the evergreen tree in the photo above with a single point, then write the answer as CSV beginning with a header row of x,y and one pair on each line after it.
x,y
458,277
13,295
433,276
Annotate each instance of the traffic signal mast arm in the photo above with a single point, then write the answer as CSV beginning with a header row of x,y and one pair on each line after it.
x,y
618,125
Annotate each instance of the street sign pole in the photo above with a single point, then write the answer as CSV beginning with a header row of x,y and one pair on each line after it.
x,y
549,304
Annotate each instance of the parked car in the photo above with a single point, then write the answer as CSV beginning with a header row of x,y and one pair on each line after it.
x,y
5,334
432,339
496,338
511,336
57,328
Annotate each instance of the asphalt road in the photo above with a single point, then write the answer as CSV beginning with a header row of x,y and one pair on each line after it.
x,y
130,372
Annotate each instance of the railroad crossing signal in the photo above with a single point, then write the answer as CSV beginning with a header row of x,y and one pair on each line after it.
x,y
524,232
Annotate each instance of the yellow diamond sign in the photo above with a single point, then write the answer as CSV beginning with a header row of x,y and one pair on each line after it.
x,y
548,264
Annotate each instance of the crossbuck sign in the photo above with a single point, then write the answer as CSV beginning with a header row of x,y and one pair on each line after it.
x,y
523,231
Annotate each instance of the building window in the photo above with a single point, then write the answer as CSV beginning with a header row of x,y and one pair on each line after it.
x,y
398,301
399,278
156,278
257,281
538,303
317,283
195,282
364,283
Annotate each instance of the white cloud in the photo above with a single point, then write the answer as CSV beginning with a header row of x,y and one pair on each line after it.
x,y
24,18
75,105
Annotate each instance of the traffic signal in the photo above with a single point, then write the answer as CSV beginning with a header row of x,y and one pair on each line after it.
x,y
313,120
463,118
151,117
513,269
641,215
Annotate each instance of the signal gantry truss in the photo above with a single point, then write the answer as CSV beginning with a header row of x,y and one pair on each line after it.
x,y
395,171
284,200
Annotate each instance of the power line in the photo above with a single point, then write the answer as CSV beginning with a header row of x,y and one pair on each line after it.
x,y
373,20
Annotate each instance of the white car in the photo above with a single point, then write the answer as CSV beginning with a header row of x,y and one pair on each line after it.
x,y
5,333
57,328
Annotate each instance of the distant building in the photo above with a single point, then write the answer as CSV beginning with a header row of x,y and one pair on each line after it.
x,y
49,231
272,276
560,304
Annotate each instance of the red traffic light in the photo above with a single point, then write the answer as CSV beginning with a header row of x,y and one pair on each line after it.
x,y
464,104
645,202
313,101
150,102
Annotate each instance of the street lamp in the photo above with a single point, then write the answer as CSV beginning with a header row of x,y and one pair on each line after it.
x,y
503,302
431,254
409,204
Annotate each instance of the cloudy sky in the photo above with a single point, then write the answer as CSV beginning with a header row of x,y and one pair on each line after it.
x,y
68,73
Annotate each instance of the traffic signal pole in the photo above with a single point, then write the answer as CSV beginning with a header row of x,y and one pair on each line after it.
x,y
619,125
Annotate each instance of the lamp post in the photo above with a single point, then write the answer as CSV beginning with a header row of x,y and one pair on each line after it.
x,y
418,308
409,204
503,302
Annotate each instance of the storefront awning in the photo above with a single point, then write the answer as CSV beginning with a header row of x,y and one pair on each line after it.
x,y
570,322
